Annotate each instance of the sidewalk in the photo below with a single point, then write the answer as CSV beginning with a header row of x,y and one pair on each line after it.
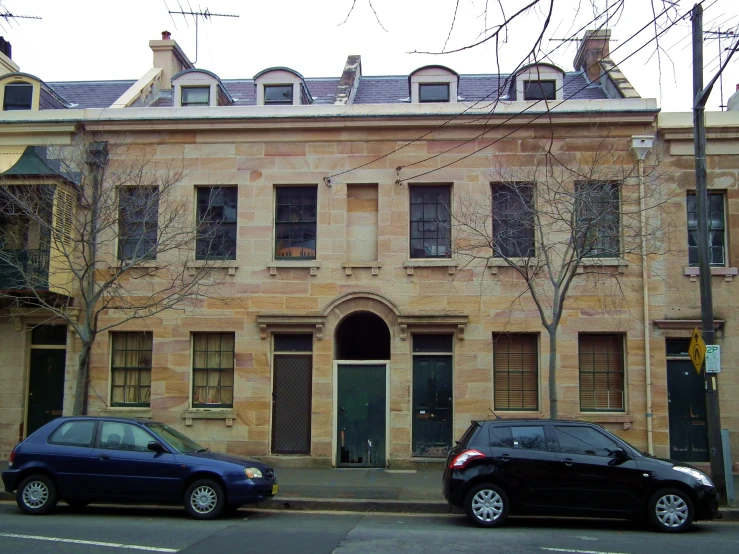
x,y
366,490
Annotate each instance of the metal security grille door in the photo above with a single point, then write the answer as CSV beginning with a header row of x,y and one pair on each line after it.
x,y
361,417
291,404
687,412
432,406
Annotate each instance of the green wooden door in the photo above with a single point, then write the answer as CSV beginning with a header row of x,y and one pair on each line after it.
x,y
432,406
45,387
361,417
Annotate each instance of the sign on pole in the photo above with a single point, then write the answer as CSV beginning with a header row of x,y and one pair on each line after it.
x,y
713,359
697,350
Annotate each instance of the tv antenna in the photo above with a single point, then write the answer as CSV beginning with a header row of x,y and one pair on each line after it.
x,y
720,35
8,16
196,15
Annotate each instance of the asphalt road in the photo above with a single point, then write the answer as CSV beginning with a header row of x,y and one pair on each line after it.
x,y
101,529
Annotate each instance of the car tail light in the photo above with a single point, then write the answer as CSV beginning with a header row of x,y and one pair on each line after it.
x,y
463,458
11,459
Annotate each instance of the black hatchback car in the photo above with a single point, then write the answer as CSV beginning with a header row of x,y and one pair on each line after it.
x,y
104,459
570,468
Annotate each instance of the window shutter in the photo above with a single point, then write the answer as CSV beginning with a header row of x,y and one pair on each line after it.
x,y
64,212
601,373
516,372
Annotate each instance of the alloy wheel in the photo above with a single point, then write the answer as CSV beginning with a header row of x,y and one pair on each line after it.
x,y
35,494
203,499
671,511
487,505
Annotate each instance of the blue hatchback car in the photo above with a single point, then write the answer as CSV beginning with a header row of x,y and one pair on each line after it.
x,y
102,459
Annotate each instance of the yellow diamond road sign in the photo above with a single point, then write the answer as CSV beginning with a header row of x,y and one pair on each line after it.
x,y
697,350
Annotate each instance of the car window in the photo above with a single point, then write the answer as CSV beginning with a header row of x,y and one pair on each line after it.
x,y
520,437
124,436
584,440
177,440
74,433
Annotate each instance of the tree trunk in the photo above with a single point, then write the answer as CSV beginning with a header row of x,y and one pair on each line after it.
x,y
553,409
79,406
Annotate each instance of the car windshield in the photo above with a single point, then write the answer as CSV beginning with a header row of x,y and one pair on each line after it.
x,y
175,439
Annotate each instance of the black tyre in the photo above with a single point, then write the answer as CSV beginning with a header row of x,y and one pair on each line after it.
x,y
204,499
36,494
670,511
486,505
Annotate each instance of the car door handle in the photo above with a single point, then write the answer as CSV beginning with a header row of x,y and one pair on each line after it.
x,y
568,462
104,457
505,458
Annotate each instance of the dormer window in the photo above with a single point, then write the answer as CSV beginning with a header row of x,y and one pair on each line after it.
x,y
18,96
536,82
433,83
539,90
278,94
195,96
433,92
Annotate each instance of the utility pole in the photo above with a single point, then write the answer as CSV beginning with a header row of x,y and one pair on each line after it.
x,y
700,97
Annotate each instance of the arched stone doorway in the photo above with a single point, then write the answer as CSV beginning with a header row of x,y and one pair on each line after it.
x,y
362,342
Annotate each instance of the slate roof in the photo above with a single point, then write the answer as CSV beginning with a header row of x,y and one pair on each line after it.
x,y
371,90
472,88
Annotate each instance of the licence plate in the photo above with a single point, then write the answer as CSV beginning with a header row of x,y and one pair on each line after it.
x,y
274,489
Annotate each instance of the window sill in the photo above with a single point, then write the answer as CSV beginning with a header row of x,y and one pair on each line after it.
x,y
728,273
149,265
312,265
604,417
230,265
227,414
124,411
374,266
520,414
412,263
603,262
495,263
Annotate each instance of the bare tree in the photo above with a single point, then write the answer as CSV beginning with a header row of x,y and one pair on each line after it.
x,y
559,219
98,230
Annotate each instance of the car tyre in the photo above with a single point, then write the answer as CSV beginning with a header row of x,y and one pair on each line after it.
x,y
36,494
670,511
486,505
204,499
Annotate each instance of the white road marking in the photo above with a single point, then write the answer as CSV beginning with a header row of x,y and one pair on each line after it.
x,y
90,543
579,551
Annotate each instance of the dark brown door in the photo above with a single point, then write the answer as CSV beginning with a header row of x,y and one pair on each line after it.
x,y
45,387
291,404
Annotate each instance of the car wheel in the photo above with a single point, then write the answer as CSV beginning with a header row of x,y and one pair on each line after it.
x,y
36,494
486,505
204,499
670,510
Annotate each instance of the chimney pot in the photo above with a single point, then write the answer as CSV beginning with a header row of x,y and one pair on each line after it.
x,y
166,35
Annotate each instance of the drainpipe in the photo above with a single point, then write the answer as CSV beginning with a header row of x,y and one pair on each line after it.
x,y
640,147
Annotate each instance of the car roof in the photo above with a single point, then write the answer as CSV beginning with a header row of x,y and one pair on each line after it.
x,y
501,421
120,419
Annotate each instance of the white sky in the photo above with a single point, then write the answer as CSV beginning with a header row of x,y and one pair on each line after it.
x,y
104,39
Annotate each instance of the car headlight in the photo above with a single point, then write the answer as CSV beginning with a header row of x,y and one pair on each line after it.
x,y
699,476
252,473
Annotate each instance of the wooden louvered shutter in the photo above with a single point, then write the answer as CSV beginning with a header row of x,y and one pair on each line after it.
x,y
516,371
601,373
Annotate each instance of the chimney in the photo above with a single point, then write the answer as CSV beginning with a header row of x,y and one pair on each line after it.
x,y
169,57
593,48
7,65
733,103
349,80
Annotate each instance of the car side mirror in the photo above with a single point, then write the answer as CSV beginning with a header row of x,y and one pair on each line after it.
x,y
620,454
156,447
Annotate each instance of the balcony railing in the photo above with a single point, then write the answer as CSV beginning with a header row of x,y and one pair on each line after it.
x,y
24,269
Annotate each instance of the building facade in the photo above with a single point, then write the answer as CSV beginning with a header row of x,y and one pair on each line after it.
x,y
346,323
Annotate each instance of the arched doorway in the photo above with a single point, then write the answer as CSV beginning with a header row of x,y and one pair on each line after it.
x,y
362,352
